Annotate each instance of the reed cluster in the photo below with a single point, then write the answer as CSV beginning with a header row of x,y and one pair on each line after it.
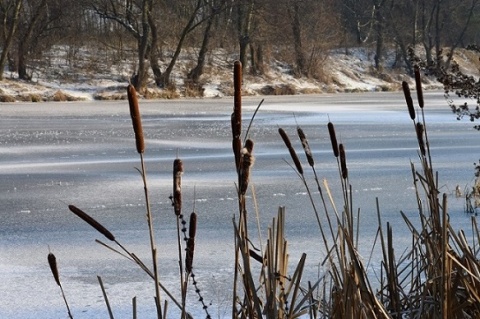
x,y
438,276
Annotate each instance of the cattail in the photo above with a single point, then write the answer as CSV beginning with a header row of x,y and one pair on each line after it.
x,y
136,119
333,138
52,262
421,144
237,150
247,161
92,222
192,226
408,99
306,146
189,254
343,161
237,102
177,186
418,83
292,152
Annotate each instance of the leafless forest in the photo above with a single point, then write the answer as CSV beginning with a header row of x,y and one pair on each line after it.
x,y
151,34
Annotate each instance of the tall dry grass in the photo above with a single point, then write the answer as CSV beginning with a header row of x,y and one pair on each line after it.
x,y
438,276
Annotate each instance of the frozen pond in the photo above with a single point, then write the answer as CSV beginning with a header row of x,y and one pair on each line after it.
x,y
84,154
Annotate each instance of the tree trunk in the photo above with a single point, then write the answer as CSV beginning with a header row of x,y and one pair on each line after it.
x,y
11,27
165,78
197,71
139,81
297,40
380,37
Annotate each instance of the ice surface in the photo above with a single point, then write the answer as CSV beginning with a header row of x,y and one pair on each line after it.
x,y
84,154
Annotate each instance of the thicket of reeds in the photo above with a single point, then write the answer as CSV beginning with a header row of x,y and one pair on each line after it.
x,y
438,276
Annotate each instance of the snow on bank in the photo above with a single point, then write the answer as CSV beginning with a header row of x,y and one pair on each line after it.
x,y
344,70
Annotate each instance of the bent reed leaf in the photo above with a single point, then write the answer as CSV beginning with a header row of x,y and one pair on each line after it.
x,y
92,222
291,150
333,138
52,262
136,118
408,99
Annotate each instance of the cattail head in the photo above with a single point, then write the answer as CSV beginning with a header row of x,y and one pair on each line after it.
x,y
333,138
192,226
418,84
291,150
306,146
237,96
136,119
343,161
177,186
246,164
189,254
421,143
237,151
92,222
52,262
408,99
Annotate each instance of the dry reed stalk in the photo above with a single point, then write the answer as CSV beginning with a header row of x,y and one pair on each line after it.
x,y
177,186
408,99
136,118
105,297
418,85
333,138
92,222
140,145
291,150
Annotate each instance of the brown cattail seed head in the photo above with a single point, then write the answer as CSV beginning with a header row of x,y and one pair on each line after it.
x,y
52,262
421,144
343,161
306,146
418,84
136,119
237,99
189,254
246,164
292,152
177,186
333,138
192,227
92,222
408,99
237,150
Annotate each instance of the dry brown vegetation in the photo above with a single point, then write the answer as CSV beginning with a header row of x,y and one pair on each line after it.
x,y
438,276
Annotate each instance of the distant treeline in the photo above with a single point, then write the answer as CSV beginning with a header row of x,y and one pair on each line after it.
x,y
297,32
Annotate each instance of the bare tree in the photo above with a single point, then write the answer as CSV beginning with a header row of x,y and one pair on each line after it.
x,y
10,13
